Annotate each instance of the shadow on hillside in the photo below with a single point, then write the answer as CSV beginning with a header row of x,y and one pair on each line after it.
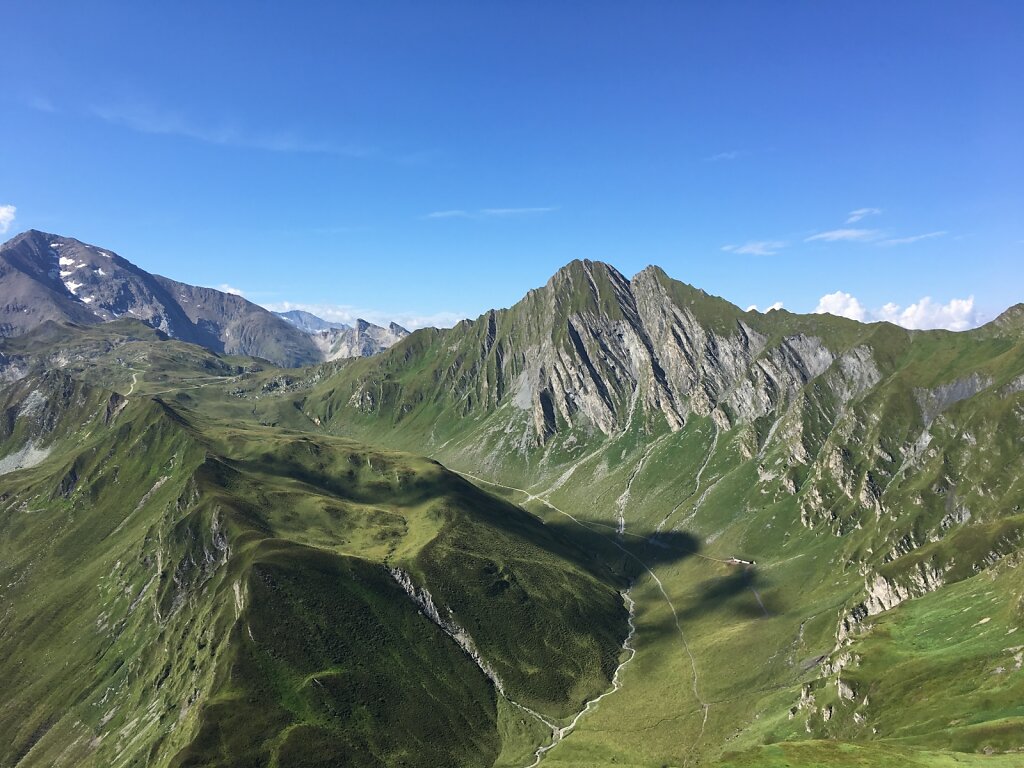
x,y
600,550
627,555
745,593
596,547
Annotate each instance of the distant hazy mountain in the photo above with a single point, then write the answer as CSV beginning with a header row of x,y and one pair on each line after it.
x,y
362,340
338,340
308,322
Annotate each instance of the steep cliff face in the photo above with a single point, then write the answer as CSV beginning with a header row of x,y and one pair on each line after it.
x,y
595,351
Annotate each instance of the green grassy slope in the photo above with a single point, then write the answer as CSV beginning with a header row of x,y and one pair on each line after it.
x,y
884,514
183,591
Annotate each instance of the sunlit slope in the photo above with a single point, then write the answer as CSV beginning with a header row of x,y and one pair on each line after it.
x,y
181,592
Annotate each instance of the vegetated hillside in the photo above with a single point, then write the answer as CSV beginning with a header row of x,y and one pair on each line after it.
x,y
49,277
664,437
183,591
873,473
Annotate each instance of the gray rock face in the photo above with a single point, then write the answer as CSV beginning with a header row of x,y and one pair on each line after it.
x,y
32,288
594,350
424,601
48,277
336,341
884,594
934,401
361,340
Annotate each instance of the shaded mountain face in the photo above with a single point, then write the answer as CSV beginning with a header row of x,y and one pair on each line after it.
x,y
48,277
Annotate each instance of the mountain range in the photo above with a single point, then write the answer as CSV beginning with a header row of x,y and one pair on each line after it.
x,y
622,522
49,277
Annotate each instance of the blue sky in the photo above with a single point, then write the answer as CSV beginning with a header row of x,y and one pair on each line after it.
x,y
427,161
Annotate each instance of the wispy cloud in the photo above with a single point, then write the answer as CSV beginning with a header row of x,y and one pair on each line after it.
x,y
7,216
347,313
912,239
483,213
515,211
844,235
854,216
718,157
453,214
145,118
42,104
956,315
756,248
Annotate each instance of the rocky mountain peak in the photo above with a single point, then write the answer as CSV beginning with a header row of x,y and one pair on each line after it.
x,y
48,277
593,350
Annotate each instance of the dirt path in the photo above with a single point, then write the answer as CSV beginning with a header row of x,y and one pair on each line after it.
x,y
206,383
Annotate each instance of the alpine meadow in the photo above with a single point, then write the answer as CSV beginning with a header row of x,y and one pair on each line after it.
x,y
348,514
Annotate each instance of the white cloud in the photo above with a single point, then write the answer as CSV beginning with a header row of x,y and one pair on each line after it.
x,y
730,155
776,305
854,216
459,213
346,313
7,215
911,239
844,235
228,289
956,315
756,248
841,304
